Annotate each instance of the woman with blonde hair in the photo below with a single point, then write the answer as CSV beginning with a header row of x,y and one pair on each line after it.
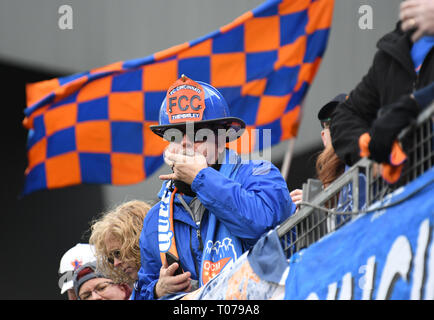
x,y
115,236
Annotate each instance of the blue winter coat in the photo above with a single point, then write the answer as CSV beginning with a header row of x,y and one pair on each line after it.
x,y
255,201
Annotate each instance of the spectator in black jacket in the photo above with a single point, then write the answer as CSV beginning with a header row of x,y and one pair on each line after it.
x,y
391,86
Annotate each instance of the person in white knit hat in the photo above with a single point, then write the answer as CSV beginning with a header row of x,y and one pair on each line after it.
x,y
74,258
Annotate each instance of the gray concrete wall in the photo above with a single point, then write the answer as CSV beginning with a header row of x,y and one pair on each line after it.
x,y
105,31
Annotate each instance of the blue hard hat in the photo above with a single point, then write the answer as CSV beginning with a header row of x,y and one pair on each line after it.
x,y
211,113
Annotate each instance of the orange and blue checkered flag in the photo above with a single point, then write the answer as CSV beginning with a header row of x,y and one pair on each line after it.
x,y
93,127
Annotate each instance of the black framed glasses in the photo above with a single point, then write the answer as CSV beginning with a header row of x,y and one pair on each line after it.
x,y
100,289
112,255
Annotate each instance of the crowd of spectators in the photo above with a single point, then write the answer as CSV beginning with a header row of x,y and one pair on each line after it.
x,y
213,207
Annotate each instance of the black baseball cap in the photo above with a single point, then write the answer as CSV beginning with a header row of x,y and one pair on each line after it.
x,y
326,111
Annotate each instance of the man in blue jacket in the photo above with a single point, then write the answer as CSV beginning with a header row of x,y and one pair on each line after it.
x,y
214,206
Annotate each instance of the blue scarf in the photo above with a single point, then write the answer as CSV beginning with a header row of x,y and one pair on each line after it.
x,y
420,50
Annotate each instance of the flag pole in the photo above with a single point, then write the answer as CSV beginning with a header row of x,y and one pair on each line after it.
x,y
287,158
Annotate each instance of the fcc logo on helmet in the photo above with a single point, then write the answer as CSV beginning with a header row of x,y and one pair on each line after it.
x,y
185,101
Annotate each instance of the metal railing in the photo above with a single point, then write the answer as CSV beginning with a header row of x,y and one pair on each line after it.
x,y
324,211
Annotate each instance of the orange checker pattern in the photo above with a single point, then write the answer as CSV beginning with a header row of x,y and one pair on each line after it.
x,y
202,49
159,76
63,170
254,88
307,72
126,106
37,154
288,7
319,14
96,89
127,168
262,70
234,67
93,136
260,34
37,91
290,123
271,108
291,55
59,118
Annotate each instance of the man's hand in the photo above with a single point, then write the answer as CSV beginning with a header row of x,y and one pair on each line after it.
x,y
167,283
418,15
185,167
296,196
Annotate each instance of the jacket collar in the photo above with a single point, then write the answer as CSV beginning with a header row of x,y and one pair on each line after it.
x,y
398,45
176,200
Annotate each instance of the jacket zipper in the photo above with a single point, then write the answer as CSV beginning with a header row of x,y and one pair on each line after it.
x,y
198,233
199,237
193,255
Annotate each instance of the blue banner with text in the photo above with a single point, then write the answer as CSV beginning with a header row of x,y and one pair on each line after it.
x,y
384,254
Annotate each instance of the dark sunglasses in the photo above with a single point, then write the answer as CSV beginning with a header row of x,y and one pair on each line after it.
x,y
197,135
114,254
325,123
